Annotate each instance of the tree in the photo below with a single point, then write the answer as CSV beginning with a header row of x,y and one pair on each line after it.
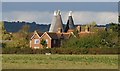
x,y
20,39
92,24
43,43
5,35
101,38
119,18
110,37
24,31
1,25
3,28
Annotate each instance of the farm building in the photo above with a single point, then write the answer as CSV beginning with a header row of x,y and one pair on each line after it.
x,y
57,33
48,38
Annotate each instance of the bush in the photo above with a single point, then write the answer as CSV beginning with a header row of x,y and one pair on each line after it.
x,y
28,50
14,50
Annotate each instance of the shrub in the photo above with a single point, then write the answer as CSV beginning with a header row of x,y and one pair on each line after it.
x,y
28,50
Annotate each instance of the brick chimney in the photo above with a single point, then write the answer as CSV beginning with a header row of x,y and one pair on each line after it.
x,y
86,28
59,30
78,28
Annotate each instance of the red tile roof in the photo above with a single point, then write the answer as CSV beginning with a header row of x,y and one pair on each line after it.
x,y
59,35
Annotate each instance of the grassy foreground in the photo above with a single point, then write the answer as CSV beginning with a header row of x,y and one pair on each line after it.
x,y
37,61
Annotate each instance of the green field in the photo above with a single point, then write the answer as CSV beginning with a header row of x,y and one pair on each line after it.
x,y
38,61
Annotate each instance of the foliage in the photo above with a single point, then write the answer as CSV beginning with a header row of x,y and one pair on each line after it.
x,y
100,39
110,37
119,18
3,28
83,42
44,43
24,31
19,39
74,50
75,32
13,50
93,23
4,34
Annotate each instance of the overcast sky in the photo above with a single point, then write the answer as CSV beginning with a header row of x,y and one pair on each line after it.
x,y
42,12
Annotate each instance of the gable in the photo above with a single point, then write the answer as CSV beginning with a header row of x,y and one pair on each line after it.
x,y
35,35
45,34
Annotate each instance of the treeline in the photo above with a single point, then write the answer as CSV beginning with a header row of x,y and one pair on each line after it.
x,y
16,26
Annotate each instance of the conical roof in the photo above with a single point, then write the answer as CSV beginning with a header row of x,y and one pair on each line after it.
x,y
70,22
56,23
53,22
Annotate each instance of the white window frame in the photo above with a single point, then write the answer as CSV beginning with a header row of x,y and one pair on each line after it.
x,y
36,47
47,47
35,41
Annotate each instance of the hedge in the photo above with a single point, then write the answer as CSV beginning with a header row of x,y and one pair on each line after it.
x,y
61,51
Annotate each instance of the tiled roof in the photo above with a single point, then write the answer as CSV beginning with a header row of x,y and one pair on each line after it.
x,y
85,33
53,35
65,35
70,24
31,34
56,23
40,33
59,35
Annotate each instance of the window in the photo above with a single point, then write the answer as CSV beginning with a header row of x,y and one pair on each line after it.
x,y
47,41
37,41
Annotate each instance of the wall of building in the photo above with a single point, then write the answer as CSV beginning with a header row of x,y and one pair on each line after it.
x,y
46,37
32,42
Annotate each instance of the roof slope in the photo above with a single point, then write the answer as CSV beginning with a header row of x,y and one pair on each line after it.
x,y
59,35
53,22
70,23
56,23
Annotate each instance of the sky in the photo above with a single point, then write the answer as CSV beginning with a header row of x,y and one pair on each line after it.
x,y
42,12
60,0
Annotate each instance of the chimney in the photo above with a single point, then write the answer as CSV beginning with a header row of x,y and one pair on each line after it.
x,y
79,28
86,28
59,30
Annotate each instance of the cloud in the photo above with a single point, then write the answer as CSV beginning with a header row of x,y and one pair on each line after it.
x,y
39,17
99,17
80,17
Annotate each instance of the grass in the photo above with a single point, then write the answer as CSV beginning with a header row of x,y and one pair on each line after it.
x,y
38,61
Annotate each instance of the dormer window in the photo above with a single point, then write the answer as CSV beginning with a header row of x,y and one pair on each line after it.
x,y
37,41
